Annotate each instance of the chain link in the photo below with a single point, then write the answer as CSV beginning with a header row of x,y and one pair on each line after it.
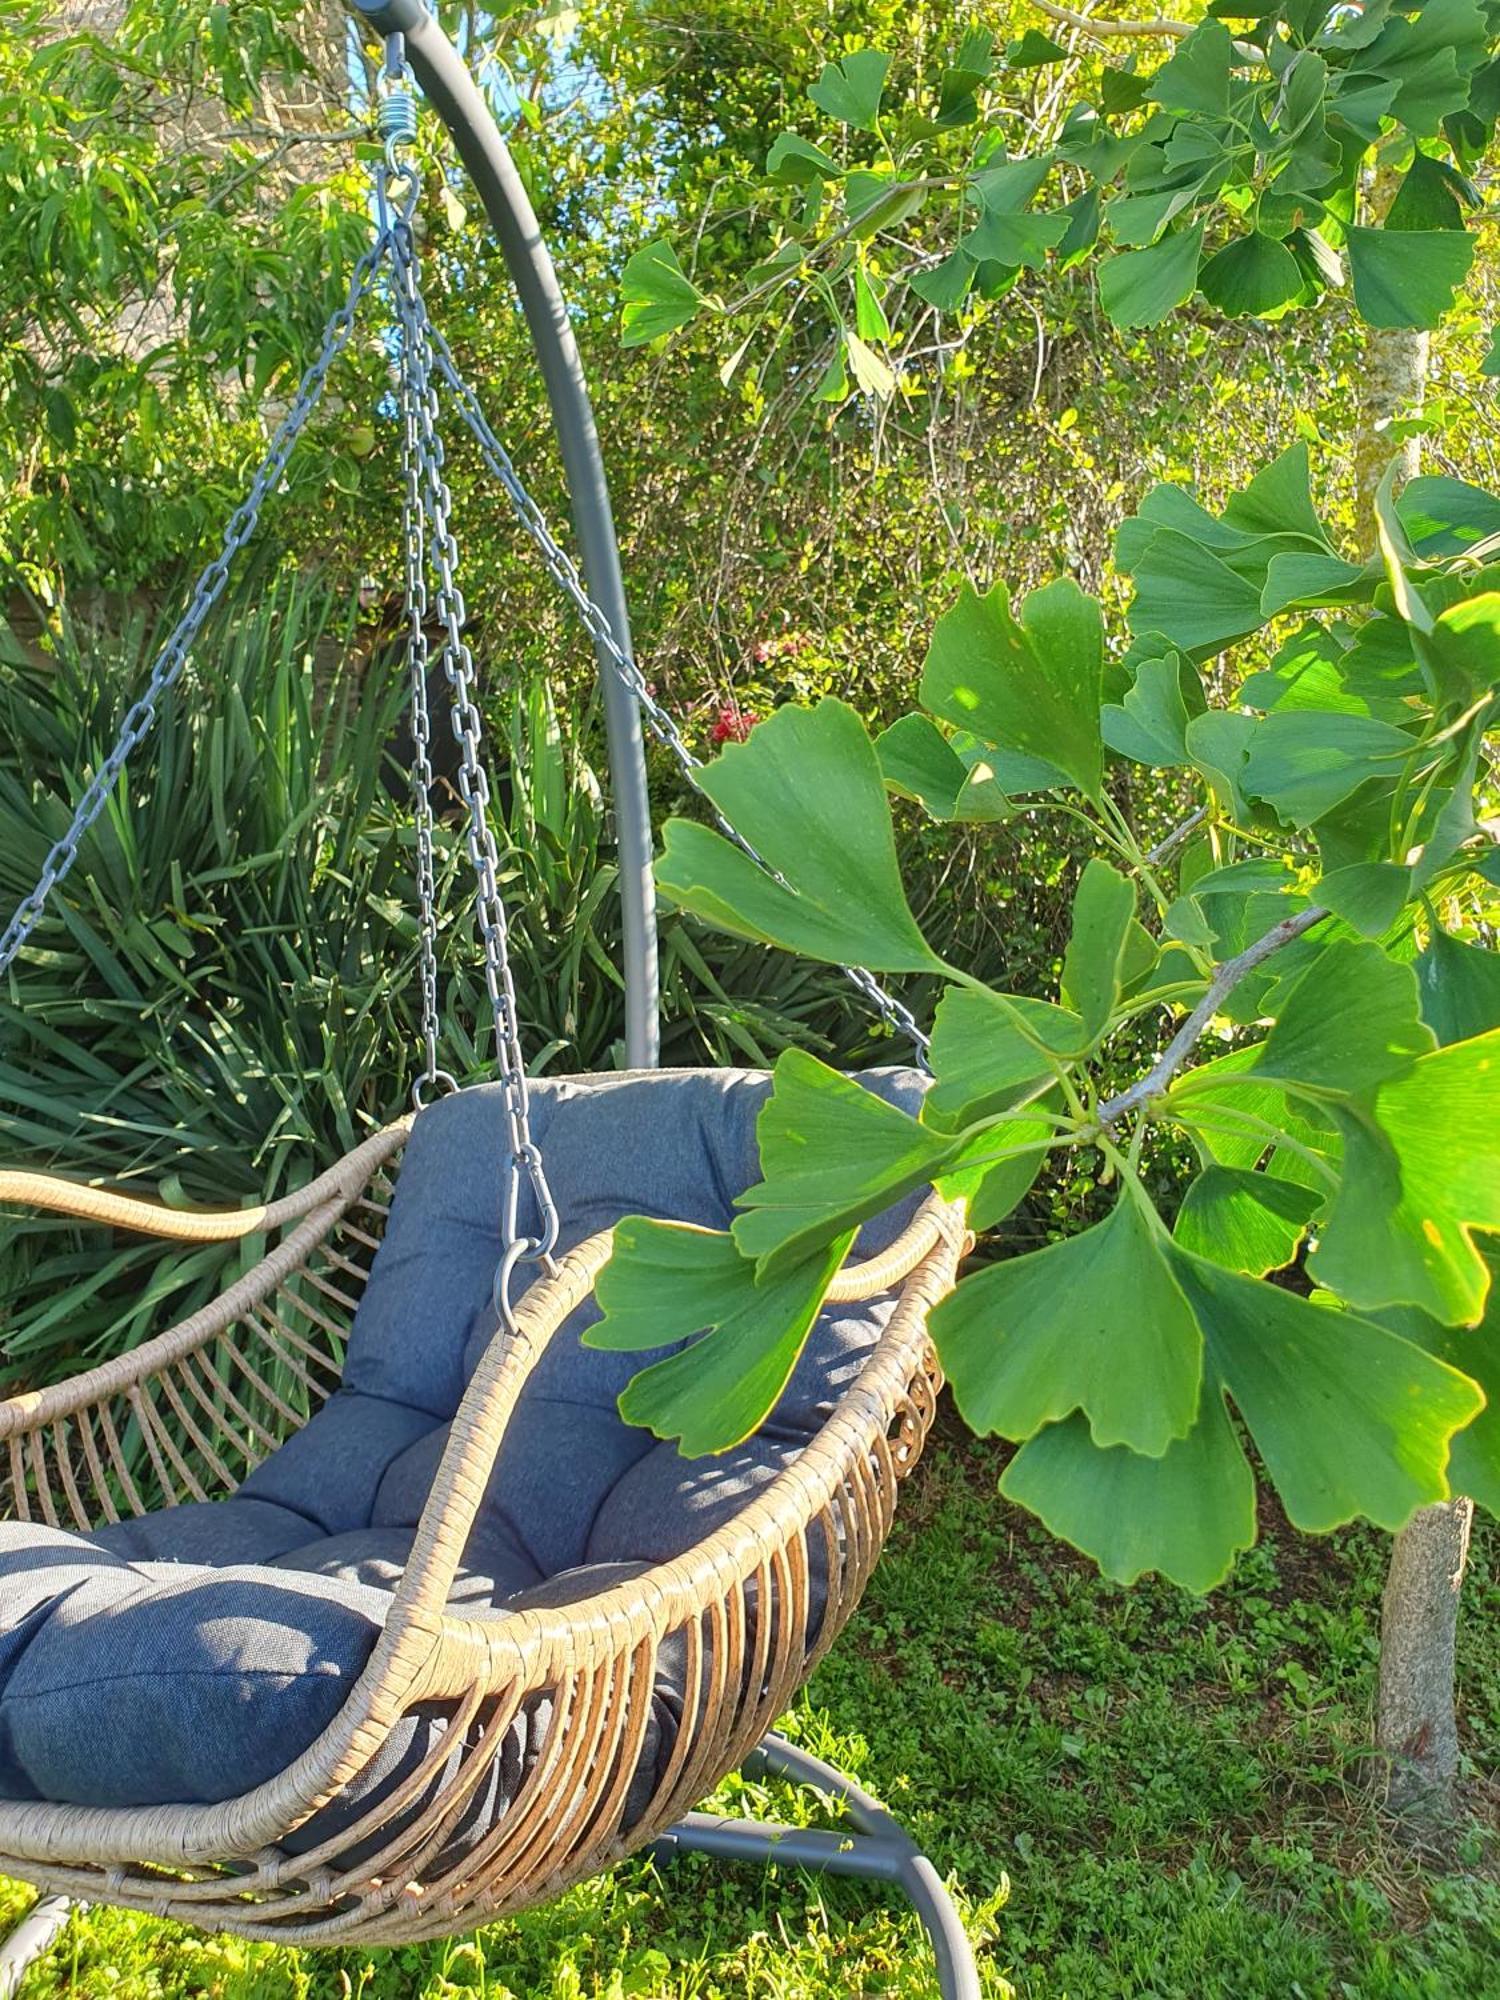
x,y
663,727
174,655
524,1165
419,667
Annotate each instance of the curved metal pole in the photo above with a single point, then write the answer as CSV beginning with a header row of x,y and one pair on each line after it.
x,y
453,94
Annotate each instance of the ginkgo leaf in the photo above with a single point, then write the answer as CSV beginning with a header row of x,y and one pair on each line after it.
x,y
1096,1323
1459,985
1474,1461
991,1051
1422,1173
805,789
666,1282
1304,762
1028,684
1349,1420
1320,1043
1093,966
996,1169
1248,1222
1186,1514
832,1154
1368,895
850,90
659,296
950,778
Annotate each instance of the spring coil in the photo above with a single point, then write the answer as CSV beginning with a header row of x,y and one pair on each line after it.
x,y
396,118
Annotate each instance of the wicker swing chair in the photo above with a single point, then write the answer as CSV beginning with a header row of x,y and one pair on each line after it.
x,y
545,1733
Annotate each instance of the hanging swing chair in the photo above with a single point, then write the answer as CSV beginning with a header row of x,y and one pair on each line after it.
x,y
350,1609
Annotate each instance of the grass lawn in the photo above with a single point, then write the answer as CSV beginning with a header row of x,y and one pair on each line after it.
x,y
1139,1793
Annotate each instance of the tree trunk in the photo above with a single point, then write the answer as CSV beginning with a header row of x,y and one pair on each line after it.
x,y
1395,377
1416,1726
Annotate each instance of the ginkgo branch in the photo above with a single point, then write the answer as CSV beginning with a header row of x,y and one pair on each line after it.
x,y
1156,1080
1179,833
1102,30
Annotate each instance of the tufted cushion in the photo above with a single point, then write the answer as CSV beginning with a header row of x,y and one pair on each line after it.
x,y
187,1656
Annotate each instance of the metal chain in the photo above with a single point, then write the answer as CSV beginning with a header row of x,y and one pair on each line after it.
x,y
419,663
525,1160
396,121
663,727
174,655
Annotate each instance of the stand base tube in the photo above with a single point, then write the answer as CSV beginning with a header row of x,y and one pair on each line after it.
x,y
880,1850
32,1938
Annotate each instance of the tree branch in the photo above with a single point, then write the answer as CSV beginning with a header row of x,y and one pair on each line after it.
x,y
1159,29
1177,836
1154,1083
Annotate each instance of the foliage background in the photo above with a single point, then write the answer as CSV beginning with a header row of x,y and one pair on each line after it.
x,y
772,553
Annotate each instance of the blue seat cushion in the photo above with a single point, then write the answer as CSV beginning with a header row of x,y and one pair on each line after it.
x,y
187,1656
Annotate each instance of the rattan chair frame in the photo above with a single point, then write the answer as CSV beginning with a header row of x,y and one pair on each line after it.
x,y
186,1416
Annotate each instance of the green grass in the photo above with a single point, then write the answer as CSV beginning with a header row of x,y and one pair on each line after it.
x,y
1139,1794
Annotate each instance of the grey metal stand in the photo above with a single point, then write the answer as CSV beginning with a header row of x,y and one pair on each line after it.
x,y
879,1850
454,95
36,1933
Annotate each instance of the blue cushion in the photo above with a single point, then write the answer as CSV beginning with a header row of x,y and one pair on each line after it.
x,y
189,1656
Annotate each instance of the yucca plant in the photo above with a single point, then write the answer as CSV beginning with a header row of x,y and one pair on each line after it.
x,y
223,997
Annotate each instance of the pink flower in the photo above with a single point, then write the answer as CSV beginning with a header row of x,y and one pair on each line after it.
x,y
733,724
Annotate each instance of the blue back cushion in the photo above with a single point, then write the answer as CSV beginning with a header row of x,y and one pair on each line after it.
x,y
678,1145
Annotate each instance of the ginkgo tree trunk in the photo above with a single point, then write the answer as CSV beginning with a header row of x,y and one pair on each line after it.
x,y
1416,1718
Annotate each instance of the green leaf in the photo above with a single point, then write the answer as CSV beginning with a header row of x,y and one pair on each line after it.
x,y
850,91
805,790
957,777
1140,287
1278,501
1252,275
946,285
1490,365
1431,196
1474,1462
1082,233
1197,78
1014,238
1150,726
1465,646
1367,895
869,313
1349,1023
1029,685
1186,1514
1303,763
1006,186
991,1051
1422,1171
1249,1222
1348,1419
1307,577
1189,595
796,162
1103,909
1459,985
958,99
832,1154
666,1282
918,761
1132,1357
1034,50
996,1169
658,295
1407,277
